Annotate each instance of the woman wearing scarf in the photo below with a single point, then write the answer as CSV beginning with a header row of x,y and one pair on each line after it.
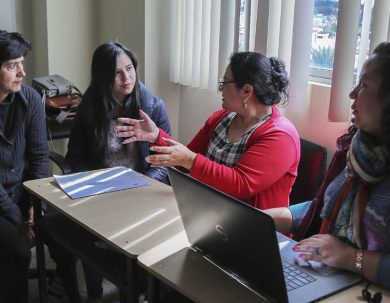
x,y
347,225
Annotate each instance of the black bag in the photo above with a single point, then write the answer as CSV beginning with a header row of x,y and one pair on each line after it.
x,y
60,94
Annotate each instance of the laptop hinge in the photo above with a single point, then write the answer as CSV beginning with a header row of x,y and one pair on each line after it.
x,y
197,249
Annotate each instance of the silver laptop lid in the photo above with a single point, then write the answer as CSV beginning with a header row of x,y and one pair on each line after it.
x,y
235,236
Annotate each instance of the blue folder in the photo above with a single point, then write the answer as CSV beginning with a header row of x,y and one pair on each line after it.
x,y
89,183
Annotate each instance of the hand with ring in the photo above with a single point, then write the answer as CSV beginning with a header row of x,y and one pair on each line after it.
x,y
327,249
175,154
137,130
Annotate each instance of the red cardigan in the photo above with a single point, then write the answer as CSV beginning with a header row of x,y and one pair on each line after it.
x,y
265,173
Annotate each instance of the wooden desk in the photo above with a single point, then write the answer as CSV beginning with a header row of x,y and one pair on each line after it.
x,y
131,221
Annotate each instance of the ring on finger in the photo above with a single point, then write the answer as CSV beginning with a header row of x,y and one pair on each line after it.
x,y
316,249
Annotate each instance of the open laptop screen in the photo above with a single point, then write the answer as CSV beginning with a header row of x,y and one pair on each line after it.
x,y
233,235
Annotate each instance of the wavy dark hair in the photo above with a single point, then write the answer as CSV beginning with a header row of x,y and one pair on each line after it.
x,y
103,73
381,60
12,46
268,76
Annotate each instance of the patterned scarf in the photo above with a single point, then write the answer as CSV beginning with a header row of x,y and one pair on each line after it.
x,y
366,165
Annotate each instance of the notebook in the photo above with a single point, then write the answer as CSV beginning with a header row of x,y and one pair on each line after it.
x,y
242,241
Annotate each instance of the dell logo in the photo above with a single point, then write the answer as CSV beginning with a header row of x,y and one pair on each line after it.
x,y
221,231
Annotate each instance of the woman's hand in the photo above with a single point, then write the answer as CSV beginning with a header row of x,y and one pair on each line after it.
x,y
176,154
328,250
137,130
26,228
30,219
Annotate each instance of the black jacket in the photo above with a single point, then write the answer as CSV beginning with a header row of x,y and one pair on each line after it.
x,y
23,154
80,151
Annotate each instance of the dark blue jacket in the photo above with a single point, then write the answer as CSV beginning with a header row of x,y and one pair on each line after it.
x,y
23,154
84,131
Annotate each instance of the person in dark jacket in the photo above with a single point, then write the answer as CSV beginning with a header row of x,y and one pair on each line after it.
x,y
23,156
115,91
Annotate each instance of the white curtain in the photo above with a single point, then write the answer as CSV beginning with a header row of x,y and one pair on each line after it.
x,y
375,16
380,17
202,39
344,60
284,30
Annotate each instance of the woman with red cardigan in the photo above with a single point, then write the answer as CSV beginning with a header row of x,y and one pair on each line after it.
x,y
248,149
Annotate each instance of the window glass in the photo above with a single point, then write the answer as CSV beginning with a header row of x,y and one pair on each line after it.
x,y
324,39
241,36
324,33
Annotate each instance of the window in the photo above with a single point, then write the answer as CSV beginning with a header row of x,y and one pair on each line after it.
x,y
324,37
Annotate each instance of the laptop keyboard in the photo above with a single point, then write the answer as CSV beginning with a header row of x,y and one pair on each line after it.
x,y
294,277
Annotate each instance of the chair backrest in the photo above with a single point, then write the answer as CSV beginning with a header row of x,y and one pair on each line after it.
x,y
311,172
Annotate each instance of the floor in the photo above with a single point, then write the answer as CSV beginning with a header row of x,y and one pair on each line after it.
x,y
111,294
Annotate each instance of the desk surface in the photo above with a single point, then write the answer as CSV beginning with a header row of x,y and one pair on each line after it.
x,y
145,222
133,220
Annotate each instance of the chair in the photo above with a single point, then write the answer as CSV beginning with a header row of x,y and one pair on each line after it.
x,y
61,162
311,172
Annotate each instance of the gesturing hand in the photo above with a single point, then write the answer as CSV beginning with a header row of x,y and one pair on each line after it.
x,y
137,130
176,154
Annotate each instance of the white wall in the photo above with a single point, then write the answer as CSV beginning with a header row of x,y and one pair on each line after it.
x,y
124,20
317,127
63,36
7,15
157,59
71,39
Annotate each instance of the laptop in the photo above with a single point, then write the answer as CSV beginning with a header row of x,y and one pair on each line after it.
x,y
242,242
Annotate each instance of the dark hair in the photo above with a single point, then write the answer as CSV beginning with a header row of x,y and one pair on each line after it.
x,y
12,46
381,59
268,76
103,73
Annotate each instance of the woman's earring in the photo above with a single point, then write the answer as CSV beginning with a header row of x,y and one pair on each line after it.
x,y
245,104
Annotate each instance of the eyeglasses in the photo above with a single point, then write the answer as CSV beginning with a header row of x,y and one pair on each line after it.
x,y
376,298
221,83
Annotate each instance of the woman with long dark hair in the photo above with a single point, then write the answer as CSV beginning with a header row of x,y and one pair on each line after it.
x,y
115,91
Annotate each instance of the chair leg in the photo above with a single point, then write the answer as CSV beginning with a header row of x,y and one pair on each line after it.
x,y
131,294
41,267
153,289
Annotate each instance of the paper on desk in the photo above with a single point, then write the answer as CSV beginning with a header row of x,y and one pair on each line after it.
x,y
86,184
